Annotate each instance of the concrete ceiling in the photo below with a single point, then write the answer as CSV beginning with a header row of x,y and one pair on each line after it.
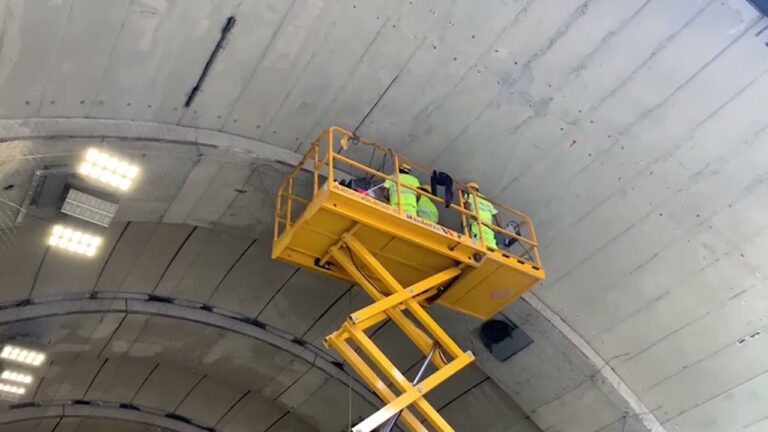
x,y
630,131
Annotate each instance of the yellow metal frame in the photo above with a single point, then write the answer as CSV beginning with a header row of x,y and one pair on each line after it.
x,y
403,263
392,301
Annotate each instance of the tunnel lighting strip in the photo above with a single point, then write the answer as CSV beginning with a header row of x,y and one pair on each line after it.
x,y
73,240
17,377
22,355
107,169
12,389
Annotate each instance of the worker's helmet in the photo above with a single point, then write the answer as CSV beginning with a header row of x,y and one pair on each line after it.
x,y
473,185
405,168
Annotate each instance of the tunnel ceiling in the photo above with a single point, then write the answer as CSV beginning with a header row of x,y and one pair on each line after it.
x,y
630,132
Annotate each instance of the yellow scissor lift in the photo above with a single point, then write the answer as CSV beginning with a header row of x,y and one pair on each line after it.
x,y
404,264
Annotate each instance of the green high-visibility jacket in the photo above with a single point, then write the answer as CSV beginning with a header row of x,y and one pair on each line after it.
x,y
486,210
409,196
428,210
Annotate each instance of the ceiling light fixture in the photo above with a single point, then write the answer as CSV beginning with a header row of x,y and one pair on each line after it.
x,y
13,389
89,208
74,240
108,170
22,355
18,377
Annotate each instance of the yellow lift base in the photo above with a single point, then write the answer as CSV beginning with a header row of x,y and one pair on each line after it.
x,y
403,262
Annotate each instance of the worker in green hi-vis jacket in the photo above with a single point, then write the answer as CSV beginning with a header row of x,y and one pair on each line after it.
x,y
410,205
427,210
488,214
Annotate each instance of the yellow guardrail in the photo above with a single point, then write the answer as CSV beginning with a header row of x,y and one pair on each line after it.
x,y
333,155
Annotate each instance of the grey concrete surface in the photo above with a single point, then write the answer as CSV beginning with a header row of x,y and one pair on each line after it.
x,y
630,131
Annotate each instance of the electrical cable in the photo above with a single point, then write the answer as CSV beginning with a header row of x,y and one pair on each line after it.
x,y
354,263
370,162
381,167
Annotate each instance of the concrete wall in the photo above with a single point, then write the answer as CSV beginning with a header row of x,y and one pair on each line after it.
x,y
630,131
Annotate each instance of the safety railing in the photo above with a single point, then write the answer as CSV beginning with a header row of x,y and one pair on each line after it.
x,y
336,155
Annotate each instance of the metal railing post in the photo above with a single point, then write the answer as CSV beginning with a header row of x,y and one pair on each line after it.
x,y
330,156
289,207
532,232
278,210
462,204
396,160
316,167
476,211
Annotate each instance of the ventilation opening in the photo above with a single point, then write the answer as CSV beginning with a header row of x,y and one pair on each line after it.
x,y
503,338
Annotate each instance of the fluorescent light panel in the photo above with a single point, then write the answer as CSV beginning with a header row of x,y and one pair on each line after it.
x,y
17,377
74,240
22,355
89,208
13,389
109,170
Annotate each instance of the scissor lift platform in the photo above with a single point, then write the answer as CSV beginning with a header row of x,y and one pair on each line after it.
x,y
409,248
404,263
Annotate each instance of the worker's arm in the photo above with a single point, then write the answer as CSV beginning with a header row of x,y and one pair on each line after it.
x,y
497,220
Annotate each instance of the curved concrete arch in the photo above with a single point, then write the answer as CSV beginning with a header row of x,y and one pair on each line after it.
x,y
74,128
606,378
100,410
200,313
